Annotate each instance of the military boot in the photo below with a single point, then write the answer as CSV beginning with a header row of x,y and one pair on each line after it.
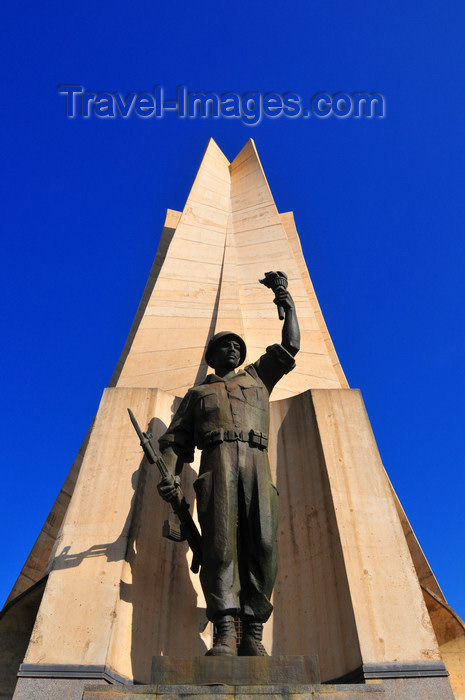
x,y
251,644
226,640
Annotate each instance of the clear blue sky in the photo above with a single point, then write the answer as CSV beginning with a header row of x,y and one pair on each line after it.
x,y
378,203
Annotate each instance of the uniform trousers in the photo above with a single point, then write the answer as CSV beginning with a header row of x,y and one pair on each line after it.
x,y
237,505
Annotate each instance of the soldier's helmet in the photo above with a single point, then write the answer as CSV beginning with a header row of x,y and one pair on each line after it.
x,y
222,335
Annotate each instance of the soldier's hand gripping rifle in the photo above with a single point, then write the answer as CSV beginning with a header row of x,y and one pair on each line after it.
x,y
187,530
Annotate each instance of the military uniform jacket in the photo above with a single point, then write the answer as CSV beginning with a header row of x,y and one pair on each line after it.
x,y
225,410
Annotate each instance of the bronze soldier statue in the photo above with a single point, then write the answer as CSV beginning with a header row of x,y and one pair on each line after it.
x,y
227,417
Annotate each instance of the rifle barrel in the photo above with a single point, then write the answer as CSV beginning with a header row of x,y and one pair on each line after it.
x,y
194,537
135,424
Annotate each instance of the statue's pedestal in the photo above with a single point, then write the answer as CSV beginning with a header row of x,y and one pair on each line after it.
x,y
241,692
410,689
235,670
214,678
262,678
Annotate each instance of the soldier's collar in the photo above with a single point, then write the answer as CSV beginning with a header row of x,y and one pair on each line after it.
x,y
211,378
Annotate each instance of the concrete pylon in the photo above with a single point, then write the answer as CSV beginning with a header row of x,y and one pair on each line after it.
x,y
102,592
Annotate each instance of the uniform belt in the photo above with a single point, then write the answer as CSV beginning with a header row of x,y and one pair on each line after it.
x,y
253,437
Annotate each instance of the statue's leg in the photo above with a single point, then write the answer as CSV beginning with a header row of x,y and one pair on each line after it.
x,y
216,490
258,523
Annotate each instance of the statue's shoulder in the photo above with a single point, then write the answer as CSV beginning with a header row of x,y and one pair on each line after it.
x,y
200,390
250,373
190,399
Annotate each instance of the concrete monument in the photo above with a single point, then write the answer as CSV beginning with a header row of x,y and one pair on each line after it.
x,y
102,597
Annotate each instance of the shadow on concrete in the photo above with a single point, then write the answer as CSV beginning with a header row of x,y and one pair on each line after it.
x,y
113,551
165,617
203,367
313,611
16,623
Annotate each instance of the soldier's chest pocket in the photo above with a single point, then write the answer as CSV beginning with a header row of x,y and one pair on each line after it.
x,y
209,404
254,396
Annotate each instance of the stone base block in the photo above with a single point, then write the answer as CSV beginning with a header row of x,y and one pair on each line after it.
x,y
55,688
235,670
239,692
398,689
417,688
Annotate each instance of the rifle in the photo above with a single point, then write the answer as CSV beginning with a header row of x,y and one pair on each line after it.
x,y
187,529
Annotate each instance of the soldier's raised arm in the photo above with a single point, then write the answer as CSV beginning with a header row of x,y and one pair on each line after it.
x,y
291,332
277,281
